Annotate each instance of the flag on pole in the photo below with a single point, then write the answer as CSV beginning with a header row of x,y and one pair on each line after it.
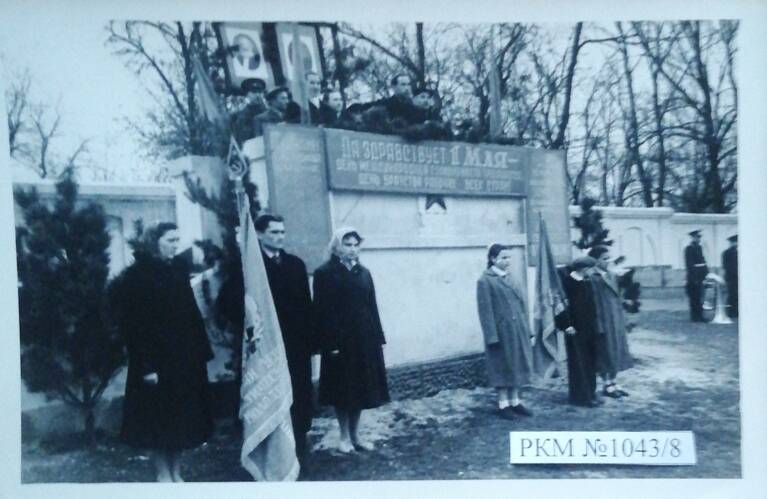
x,y
495,89
268,447
550,300
207,96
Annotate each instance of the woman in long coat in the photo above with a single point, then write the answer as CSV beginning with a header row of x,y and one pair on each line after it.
x,y
167,403
581,326
612,347
352,373
503,317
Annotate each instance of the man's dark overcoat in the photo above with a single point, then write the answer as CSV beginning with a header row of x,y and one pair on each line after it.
x,y
289,285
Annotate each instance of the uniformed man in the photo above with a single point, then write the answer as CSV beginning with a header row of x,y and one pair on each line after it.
x,y
730,266
243,122
697,270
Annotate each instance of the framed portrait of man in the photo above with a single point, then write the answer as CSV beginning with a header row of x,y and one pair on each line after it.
x,y
308,51
245,53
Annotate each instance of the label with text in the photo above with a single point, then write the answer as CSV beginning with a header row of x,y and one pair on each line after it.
x,y
656,448
380,163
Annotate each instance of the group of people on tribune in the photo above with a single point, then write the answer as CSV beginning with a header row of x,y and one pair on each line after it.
x,y
593,323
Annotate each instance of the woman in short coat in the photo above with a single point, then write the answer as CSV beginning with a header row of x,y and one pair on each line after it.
x,y
503,317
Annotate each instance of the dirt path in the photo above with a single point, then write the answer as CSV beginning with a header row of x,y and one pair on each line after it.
x,y
685,378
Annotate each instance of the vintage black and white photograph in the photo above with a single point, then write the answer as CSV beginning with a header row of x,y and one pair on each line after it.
x,y
331,249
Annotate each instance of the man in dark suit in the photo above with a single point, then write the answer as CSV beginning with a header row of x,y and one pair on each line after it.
x,y
314,91
289,286
697,270
730,266
331,108
399,106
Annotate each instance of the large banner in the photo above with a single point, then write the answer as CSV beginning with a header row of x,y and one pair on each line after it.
x,y
548,199
298,189
384,163
298,157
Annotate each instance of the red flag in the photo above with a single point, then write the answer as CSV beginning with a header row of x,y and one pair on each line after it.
x,y
268,447
550,300
207,96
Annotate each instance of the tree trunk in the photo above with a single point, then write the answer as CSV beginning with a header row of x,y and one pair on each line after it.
x,y
632,133
339,73
564,119
421,63
658,117
321,44
195,140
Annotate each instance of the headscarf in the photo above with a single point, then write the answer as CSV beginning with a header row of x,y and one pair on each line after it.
x,y
338,237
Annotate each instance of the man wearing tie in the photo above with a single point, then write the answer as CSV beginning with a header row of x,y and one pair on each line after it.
x,y
697,270
289,286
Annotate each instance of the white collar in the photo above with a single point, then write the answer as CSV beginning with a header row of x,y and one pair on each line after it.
x,y
269,253
498,272
576,276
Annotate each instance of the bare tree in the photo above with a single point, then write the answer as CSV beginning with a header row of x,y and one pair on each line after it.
x,y
174,127
710,93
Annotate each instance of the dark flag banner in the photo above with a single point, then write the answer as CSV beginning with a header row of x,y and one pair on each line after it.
x,y
549,348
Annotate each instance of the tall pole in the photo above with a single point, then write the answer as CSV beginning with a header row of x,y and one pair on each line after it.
x,y
299,76
495,88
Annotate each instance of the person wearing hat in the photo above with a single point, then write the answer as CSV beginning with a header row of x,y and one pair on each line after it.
x,y
612,343
697,270
352,370
278,100
730,266
580,323
243,121
503,318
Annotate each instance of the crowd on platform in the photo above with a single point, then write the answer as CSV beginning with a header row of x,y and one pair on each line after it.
x,y
411,112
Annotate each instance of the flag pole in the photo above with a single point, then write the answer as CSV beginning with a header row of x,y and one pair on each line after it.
x,y
495,88
299,76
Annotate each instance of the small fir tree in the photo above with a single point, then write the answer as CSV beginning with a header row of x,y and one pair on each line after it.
x,y
594,234
69,349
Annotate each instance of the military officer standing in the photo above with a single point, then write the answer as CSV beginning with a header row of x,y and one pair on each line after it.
x,y
697,270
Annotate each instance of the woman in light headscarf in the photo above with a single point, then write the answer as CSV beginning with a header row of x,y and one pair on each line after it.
x,y
352,374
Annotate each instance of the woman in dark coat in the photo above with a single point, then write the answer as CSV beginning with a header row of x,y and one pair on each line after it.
x,y
503,317
352,373
166,407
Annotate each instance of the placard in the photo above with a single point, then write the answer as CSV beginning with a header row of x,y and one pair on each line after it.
x,y
547,197
298,189
384,163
